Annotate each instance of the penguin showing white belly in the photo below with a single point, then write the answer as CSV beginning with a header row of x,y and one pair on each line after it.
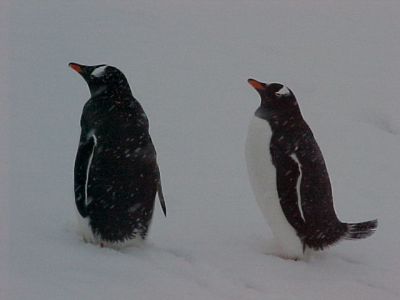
x,y
289,178
116,171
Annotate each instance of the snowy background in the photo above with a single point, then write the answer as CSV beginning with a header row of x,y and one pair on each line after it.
x,y
187,63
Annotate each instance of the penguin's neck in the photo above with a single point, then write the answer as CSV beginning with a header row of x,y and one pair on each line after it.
x,y
279,119
97,91
118,93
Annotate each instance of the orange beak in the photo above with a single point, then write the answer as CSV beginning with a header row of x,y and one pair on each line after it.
x,y
76,67
259,86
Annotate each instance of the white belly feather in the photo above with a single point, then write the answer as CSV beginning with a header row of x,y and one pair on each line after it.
x,y
262,175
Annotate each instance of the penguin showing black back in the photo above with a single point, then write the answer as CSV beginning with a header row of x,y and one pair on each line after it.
x,y
116,171
289,178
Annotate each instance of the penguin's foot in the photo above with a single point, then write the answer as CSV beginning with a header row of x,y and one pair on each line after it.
x,y
289,257
135,242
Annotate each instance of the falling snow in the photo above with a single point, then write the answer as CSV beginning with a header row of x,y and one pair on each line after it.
x,y
188,62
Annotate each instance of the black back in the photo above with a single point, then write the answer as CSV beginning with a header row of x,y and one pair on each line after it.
x,y
116,172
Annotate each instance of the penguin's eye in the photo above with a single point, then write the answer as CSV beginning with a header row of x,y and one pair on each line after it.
x,y
98,72
284,91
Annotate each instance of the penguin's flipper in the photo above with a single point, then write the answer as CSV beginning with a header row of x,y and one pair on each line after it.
x,y
288,176
82,163
160,193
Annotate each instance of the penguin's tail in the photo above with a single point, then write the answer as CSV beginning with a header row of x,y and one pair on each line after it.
x,y
360,230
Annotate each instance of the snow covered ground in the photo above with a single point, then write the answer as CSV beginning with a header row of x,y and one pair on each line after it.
x,y
188,62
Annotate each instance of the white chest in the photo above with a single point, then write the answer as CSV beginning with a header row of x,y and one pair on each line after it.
x,y
262,172
262,175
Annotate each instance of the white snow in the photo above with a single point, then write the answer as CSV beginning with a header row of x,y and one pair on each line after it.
x,y
188,63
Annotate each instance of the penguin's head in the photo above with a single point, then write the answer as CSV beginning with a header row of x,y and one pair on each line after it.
x,y
274,96
101,78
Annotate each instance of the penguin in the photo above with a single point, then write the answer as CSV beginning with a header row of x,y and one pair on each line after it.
x,y
290,180
116,175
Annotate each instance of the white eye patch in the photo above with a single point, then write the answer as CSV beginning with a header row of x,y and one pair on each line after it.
x,y
98,72
284,91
